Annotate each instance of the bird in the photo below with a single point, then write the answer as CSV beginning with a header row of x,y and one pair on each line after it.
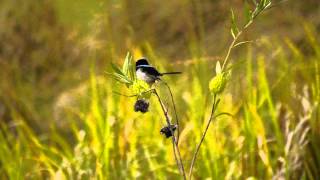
x,y
148,73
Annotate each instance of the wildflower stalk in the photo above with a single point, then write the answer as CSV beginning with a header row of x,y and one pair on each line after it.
x,y
218,83
236,36
176,150
214,107
232,45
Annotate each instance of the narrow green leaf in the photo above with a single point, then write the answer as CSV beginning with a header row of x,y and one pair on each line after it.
x,y
247,13
122,79
261,5
242,42
268,4
232,33
119,77
234,28
132,69
126,64
117,69
128,67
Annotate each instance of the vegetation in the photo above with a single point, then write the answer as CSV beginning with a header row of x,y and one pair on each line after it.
x,y
62,117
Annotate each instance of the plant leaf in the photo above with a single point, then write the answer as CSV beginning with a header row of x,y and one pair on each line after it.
x,y
119,75
117,69
234,28
247,12
128,67
242,42
120,78
126,64
132,69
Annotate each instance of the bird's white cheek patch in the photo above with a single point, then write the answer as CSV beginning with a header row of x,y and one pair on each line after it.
x,y
143,76
140,75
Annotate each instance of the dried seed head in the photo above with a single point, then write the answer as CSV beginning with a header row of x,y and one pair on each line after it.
x,y
166,130
141,105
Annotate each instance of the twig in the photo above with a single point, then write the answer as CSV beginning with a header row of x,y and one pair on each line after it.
x,y
175,111
214,107
174,140
230,48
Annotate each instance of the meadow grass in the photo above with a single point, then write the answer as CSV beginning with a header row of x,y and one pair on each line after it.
x,y
273,96
268,136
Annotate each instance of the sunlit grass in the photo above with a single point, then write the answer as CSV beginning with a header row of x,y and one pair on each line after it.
x,y
273,95
112,141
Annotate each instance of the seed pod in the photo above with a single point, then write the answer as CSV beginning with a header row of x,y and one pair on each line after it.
x,y
218,83
141,105
166,130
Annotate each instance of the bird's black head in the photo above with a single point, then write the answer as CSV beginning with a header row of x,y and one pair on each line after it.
x,y
142,61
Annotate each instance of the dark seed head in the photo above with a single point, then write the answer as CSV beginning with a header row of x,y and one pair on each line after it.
x,y
141,105
166,130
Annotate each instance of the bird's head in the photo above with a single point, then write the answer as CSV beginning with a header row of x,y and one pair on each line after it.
x,y
142,61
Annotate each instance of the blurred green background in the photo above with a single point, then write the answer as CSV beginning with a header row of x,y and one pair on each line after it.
x,y
59,118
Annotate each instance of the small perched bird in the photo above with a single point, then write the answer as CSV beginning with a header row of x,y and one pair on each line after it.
x,y
148,73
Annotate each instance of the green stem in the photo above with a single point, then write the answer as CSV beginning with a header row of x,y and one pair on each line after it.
x,y
214,107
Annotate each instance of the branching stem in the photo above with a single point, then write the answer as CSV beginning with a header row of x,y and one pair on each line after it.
x,y
230,48
174,140
175,111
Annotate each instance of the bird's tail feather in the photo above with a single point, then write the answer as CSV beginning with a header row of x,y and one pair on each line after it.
x,y
166,73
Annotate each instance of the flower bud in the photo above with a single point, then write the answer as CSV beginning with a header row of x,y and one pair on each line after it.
x,y
218,83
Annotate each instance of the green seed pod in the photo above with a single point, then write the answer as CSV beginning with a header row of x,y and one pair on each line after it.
x,y
218,83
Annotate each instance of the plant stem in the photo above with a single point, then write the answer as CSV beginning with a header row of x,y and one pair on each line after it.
x,y
214,107
175,111
232,45
230,48
176,150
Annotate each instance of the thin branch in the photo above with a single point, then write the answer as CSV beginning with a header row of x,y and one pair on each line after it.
x,y
175,111
230,48
174,140
214,107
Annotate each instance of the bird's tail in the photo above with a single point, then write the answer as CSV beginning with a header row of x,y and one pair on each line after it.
x,y
166,73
